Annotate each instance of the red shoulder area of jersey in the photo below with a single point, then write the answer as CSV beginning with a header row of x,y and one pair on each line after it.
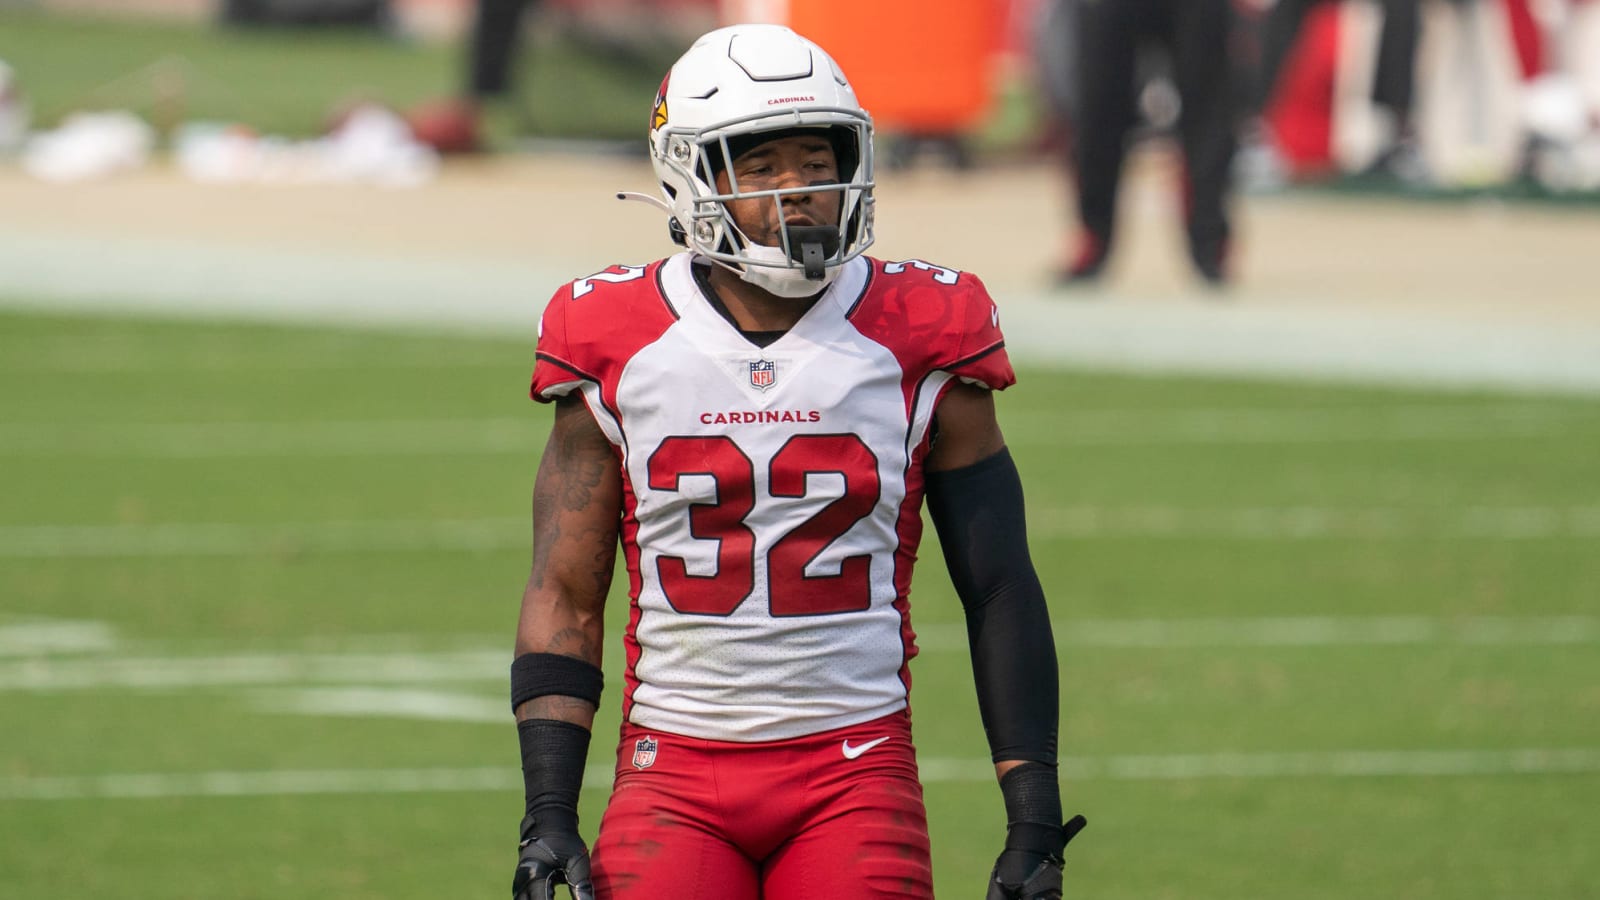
x,y
593,325
935,318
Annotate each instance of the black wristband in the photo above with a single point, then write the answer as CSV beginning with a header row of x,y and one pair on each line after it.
x,y
553,757
1033,809
538,674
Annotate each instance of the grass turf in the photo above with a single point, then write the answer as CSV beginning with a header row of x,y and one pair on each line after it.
x,y
231,493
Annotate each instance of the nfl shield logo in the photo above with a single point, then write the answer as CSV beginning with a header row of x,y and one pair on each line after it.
x,y
644,752
763,373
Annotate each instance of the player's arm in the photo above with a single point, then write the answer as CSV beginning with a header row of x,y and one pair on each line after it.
x,y
975,501
577,510
556,678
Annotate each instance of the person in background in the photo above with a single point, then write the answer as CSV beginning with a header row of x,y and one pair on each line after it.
x,y
493,46
1195,35
1393,79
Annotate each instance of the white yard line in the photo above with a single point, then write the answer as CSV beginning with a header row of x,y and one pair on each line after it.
x,y
40,637
1310,764
1303,631
386,703
101,354
364,670
1337,425
1306,522
1046,523
257,439
236,539
172,672
936,770
259,784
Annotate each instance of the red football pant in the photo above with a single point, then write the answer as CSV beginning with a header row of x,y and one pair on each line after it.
x,y
787,820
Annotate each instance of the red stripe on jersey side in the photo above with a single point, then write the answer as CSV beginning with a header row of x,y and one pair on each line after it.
x,y
631,557
908,530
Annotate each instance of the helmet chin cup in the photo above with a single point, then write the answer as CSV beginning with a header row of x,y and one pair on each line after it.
x,y
771,270
812,246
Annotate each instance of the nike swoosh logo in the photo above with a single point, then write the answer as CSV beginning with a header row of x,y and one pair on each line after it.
x,y
853,752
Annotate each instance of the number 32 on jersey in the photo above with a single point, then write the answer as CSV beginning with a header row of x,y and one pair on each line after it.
x,y
790,591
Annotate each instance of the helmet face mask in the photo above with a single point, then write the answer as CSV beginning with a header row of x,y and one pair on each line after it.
x,y
733,88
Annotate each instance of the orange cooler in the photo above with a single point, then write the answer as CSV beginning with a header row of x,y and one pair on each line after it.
x,y
919,68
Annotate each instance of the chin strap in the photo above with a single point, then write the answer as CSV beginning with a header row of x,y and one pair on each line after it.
x,y
811,246
774,272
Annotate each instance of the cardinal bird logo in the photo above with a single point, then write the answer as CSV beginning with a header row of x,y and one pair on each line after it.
x,y
658,117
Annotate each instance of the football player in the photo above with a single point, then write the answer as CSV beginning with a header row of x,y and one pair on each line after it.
x,y
756,421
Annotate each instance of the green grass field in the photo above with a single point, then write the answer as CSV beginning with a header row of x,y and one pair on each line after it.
x,y
258,585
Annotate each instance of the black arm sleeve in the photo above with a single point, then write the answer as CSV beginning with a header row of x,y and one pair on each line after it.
x,y
978,512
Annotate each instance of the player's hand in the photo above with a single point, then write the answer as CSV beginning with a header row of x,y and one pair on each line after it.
x,y
1032,873
559,857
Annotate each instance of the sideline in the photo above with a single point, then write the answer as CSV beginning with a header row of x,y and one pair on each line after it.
x,y
194,278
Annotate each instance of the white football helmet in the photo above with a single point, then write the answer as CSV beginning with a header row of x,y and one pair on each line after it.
x,y
744,80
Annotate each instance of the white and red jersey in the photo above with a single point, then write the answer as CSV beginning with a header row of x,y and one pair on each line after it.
x,y
772,495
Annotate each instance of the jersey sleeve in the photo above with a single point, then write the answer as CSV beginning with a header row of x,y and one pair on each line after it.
x,y
981,349
556,372
592,326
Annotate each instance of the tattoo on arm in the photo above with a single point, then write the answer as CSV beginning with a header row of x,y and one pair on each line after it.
x,y
576,519
577,515
576,503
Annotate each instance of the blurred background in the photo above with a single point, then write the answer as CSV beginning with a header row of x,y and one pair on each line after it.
x,y
1311,456
1440,95
1215,111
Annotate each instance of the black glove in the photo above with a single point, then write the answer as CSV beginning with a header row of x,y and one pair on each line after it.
x,y
1029,868
1032,873
551,851
549,858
